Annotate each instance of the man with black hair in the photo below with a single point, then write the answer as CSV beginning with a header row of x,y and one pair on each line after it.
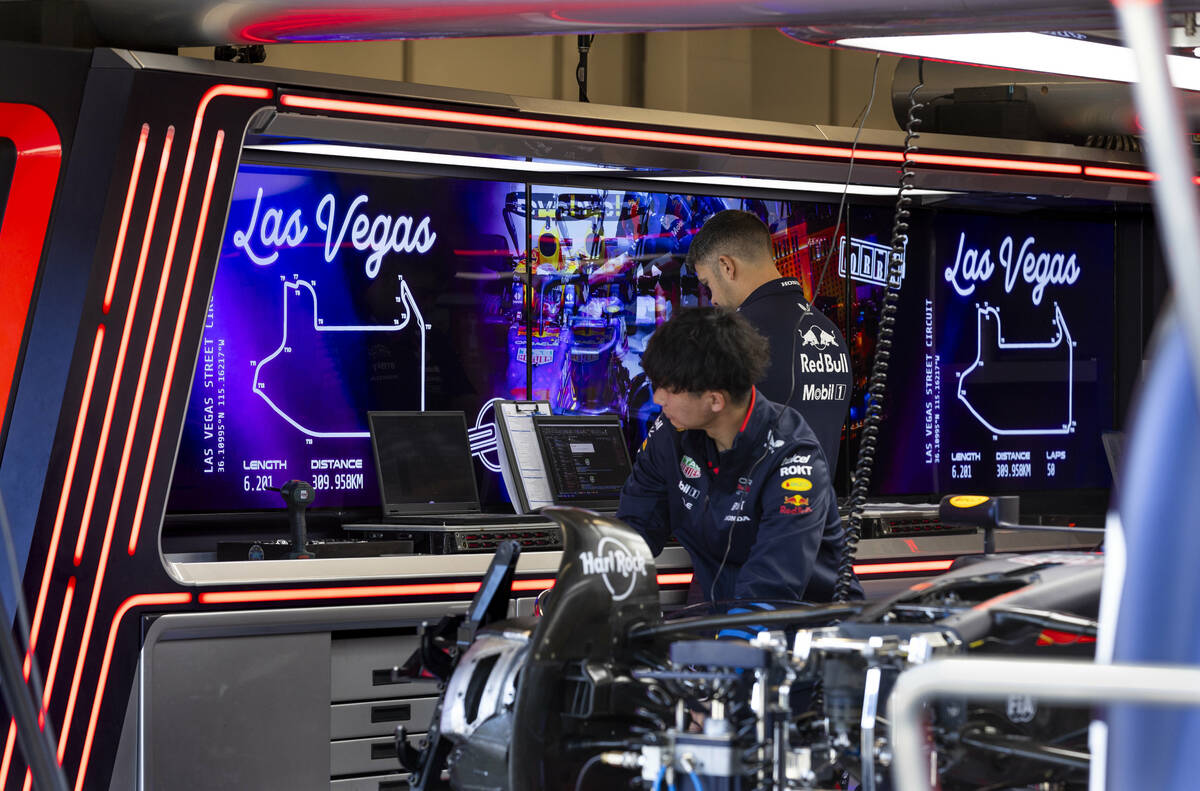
x,y
741,482
810,366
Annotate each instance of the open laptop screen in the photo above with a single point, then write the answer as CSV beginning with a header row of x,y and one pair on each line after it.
x,y
586,458
424,462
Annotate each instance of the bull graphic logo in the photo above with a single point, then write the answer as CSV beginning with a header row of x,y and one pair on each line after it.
x,y
1021,708
616,565
800,501
818,339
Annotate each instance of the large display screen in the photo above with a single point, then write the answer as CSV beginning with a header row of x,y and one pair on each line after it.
x,y
339,293
1002,375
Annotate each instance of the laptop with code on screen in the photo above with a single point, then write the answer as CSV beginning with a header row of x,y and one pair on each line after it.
x,y
587,460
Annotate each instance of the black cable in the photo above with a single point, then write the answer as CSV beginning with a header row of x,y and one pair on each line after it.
x,y
741,501
37,743
849,175
877,383
584,769
581,70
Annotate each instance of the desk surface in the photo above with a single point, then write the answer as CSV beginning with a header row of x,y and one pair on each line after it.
x,y
427,567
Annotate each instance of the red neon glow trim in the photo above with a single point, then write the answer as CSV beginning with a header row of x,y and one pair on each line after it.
x,y
115,385
181,316
23,224
209,95
242,91
58,641
119,248
1119,173
372,591
101,448
384,591
993,163
532,585
907,567
668,138
9,743
55,535
164,279
142,600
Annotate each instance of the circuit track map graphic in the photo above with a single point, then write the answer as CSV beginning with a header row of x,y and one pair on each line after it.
x,y
296,340
1048,365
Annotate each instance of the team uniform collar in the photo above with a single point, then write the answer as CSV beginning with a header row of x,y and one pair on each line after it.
x,y
782,285
747,445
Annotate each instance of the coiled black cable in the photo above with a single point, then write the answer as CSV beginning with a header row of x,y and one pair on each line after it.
x,y
877,383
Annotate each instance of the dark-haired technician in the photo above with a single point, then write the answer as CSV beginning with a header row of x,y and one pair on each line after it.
x,y
741,482
810,367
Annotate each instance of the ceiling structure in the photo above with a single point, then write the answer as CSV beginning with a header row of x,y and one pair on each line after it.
x,y
166,24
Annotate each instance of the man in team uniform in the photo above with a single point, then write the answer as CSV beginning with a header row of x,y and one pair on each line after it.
x,y
740,481
810,364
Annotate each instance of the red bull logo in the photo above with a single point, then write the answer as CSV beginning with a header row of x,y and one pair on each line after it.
x,y
797,500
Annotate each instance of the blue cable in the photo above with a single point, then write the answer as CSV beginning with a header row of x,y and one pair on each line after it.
x,y
695,780
662,771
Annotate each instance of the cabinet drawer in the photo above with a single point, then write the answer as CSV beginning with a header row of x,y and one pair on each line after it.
x,y
380,717
361,756
376,783
361,669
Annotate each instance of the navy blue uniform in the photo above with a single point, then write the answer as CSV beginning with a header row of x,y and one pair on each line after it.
x,y
760,518
804,342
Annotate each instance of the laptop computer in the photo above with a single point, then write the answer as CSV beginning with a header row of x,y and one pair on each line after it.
x,y
426,475
586,458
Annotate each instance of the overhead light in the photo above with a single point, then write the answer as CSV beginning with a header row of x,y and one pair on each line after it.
x,y
427,158
790,186
520,165
1070,54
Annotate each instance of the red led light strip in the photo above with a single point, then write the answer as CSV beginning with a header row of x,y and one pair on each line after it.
x,y
219,90
180,318
102,566
181,315
143,600
667,138
906,567
458,588
102,446
60,515
23,222
115,384
8,752
72,460
119,249
1119,173
58,641
52,551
